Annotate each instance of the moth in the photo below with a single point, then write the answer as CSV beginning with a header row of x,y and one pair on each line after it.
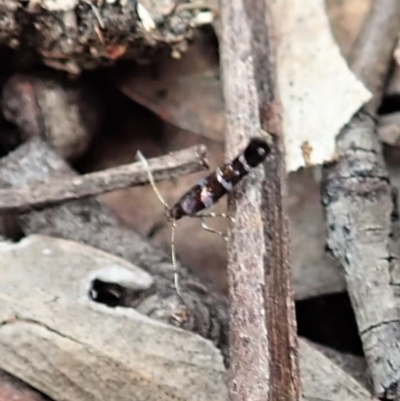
x,y
209,190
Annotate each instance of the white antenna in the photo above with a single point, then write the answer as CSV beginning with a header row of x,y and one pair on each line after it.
x,y
173,221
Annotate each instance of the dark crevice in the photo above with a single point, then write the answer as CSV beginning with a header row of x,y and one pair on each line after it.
x,y
329,320
113,294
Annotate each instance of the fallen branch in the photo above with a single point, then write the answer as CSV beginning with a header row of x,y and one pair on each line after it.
x,y
360,211
41,195
263,345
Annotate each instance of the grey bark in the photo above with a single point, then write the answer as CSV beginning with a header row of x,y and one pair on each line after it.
x,y
361,209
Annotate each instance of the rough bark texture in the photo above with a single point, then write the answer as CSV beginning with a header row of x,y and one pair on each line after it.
x,y
361,210
263,345
360,214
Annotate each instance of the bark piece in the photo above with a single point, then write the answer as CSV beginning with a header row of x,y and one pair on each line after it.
x,y
55,337
361,210
322,379
359,214
311,68
185,92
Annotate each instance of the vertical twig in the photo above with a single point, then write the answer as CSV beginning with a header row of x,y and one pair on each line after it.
x,y
262,326
360,212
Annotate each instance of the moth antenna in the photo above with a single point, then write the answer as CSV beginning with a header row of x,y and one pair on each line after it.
x,y
173,222
151,179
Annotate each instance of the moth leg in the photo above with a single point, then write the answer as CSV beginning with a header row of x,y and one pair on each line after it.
x,y
211,230
213,214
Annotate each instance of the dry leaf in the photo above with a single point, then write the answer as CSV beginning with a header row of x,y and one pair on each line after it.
x,y
318,91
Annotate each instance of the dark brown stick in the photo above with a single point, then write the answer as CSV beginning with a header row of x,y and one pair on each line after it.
x,y
263,345
45,194
361,211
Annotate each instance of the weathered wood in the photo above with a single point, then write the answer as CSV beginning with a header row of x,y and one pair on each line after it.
x,y
263,344
354,365
360,214
54,337
323,380
361,209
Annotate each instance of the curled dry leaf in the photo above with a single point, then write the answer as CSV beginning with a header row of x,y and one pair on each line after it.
x,y
318,91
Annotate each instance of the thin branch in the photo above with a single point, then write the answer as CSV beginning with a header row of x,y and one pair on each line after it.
x,y
41,195
263,344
